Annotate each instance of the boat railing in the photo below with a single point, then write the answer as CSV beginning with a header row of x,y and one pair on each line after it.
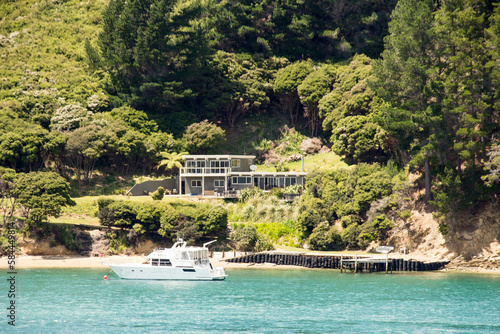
x,y
208,243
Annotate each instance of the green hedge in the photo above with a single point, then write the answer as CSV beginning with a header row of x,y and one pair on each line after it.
x,y
168,220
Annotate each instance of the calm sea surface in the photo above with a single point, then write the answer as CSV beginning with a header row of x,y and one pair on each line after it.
x,y
254,301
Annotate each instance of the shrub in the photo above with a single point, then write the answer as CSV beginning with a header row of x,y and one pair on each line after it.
x,y
103,202
325,237
216,221
169,218
65,236
150,214
69,117
350,236
278,192
118,241
243,237
248,212
293,189
157,195
248,193
311,145
188,230
138,228
106,216
119,213
310,213
287,233
263,244
349,220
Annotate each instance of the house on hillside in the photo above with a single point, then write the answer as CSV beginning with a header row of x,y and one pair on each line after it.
x,y
226,175
219,175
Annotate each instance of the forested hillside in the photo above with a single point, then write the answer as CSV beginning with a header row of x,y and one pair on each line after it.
x,y
393,87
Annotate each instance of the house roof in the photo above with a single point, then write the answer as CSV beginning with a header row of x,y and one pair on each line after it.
x,y
218,156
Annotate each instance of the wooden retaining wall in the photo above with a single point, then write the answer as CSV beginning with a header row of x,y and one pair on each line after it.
x,y
333,262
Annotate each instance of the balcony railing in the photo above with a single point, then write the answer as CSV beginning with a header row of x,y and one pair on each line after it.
x,y
205,170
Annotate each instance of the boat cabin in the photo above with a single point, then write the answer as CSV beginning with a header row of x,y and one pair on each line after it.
x,y
180,254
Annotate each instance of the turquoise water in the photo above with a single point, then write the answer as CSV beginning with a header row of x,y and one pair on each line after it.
x,y
255,301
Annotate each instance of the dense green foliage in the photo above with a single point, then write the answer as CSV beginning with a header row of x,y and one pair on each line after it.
x,y
440,65
344,196
119,87
260,206
325,237
169,220
41,194
172,59
202,137
157,195
243,237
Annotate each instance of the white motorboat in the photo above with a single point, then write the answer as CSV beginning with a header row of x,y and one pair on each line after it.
x,y
180,262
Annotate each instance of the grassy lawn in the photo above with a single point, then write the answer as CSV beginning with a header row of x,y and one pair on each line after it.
x,y
85,210
68,220
317,161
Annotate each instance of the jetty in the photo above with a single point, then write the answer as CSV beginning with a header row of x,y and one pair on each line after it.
x,y
346,263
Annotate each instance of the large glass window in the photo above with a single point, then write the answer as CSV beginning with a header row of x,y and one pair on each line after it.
x,y
290,181
196,183
194,166
219,183
242,180
193,163
273,182
219,163
235,163
218,166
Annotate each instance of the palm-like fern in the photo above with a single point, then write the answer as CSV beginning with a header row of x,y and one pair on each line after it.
x,y
171,161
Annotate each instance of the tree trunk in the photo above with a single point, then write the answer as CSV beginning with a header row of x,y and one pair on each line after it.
x,y
428,194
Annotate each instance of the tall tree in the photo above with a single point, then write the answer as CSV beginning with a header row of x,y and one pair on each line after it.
x,y
85,146
467,96
286,83
407,73
203,137
316,85
41,194
153,50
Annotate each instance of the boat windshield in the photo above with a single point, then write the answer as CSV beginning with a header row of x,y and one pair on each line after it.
x,y
182,255
199,254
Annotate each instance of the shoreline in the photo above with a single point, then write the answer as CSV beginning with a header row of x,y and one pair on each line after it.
x,y
86,262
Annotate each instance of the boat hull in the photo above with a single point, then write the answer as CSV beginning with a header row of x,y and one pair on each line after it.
x,y
138,272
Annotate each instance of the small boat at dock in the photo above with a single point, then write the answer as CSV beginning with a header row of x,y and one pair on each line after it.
x,y
180,262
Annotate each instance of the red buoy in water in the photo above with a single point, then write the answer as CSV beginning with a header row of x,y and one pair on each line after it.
x,y
105,276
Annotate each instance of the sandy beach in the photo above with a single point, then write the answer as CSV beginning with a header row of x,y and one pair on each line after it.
x,y
52,261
